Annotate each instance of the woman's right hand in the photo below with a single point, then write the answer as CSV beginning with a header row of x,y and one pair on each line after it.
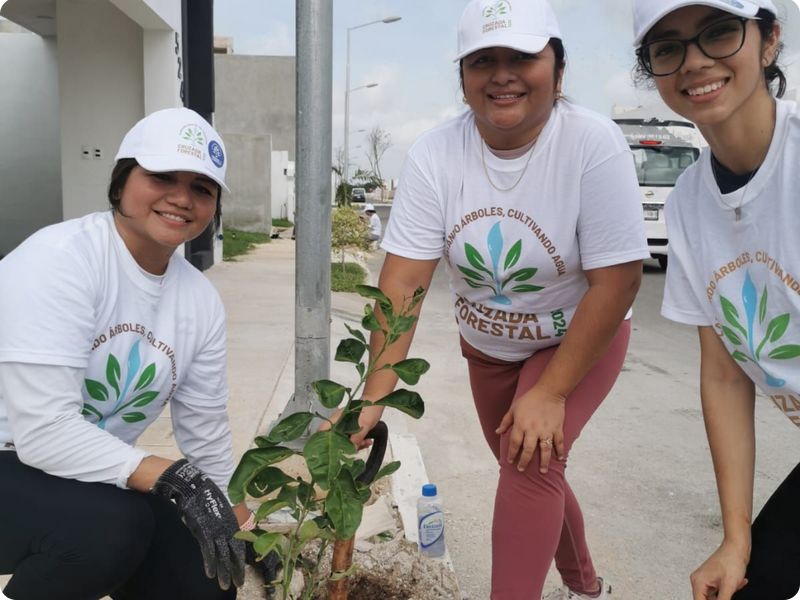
x,y
370,416
722,575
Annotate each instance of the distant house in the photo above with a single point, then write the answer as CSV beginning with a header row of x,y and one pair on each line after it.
x,y
75,77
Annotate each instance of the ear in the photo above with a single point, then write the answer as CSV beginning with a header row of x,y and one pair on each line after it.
x,y
771,44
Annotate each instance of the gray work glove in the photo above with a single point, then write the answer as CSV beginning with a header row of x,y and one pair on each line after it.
x,y
208,515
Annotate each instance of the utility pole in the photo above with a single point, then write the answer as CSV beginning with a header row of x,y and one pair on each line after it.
x,y
313,232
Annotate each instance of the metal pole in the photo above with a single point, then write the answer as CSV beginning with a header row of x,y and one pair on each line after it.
x,y
345,170
313,234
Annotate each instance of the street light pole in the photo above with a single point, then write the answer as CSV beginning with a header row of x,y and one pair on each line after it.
x,y
345,170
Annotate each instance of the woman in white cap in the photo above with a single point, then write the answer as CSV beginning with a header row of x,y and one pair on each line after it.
x,y
102,325
534,205
733,258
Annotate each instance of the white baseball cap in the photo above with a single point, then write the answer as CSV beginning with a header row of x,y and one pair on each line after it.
x,y
176,139
524,25
646,13
369,207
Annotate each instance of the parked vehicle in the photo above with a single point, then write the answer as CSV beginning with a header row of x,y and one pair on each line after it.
x,y
359,194
662,149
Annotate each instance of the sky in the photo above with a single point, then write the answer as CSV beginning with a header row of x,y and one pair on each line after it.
x,y
411,60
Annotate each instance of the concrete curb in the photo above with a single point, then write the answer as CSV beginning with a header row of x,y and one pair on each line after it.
x,y
407,485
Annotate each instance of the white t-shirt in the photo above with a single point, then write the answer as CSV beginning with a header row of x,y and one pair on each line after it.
x,y
375,227
516,259
741,277
74,297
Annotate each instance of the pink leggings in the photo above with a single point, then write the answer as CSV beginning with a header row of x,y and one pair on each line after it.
x,y
537,517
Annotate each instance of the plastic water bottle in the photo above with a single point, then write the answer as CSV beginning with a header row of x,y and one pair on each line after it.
x,y
431,522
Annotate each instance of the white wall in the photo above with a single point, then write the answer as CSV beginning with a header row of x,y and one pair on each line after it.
x,y
101,74
280,186
30,157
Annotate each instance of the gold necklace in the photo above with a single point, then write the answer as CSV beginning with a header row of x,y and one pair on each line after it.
x,y
527,162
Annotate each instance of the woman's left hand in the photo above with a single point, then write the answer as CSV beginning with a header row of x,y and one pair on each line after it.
x,y
536,420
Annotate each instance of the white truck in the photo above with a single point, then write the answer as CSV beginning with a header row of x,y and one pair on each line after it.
x,y
663,148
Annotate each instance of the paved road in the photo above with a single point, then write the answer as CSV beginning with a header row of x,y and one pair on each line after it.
x,y
641,469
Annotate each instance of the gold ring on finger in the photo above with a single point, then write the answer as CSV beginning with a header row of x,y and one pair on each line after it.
x,y
548,442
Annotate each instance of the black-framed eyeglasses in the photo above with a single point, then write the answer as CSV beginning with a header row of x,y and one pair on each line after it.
x,y
719,40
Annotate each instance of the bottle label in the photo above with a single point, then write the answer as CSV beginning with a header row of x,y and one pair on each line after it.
x,y
431,529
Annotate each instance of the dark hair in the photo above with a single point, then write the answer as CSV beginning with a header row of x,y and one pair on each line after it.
x,y
772,73
558,49
119,177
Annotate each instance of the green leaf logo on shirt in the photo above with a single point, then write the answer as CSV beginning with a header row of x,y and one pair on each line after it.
x,y
739,335
99,392
476,277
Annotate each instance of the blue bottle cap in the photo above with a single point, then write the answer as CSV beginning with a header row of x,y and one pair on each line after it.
x,y
428,490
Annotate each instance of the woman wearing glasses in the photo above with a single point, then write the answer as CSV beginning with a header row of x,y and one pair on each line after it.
x,y
534,205
734,256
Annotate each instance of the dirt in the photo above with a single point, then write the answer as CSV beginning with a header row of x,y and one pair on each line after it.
x,y
396,570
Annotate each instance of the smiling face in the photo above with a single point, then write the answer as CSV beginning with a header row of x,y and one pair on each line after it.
x,y
511,93
709,91
160,211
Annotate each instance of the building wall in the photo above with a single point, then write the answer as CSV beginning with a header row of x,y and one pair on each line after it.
x,y
30,167
248,206
101,72
256,95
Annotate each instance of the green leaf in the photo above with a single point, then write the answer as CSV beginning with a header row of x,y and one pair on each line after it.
x,y
521,275
731,335
134,417
263,442
350,350
364,492
419,294
411,370
88,410
471,274
357,468
147,377
267,481
292,427
740,356
777,327
323,453
288,494
785,352
308,531
247,536
356,334
476,260
527,288
96,390
370,321
404,401
387,470
305,494
330,393
731,314
762,309
144,399
252,463
373,293
339,575
269,507
343,506
113,373
361,368
476,286
348,424
266,542
404,324
513,255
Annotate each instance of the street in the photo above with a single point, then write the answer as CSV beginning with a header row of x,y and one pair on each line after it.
x,y
641,469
